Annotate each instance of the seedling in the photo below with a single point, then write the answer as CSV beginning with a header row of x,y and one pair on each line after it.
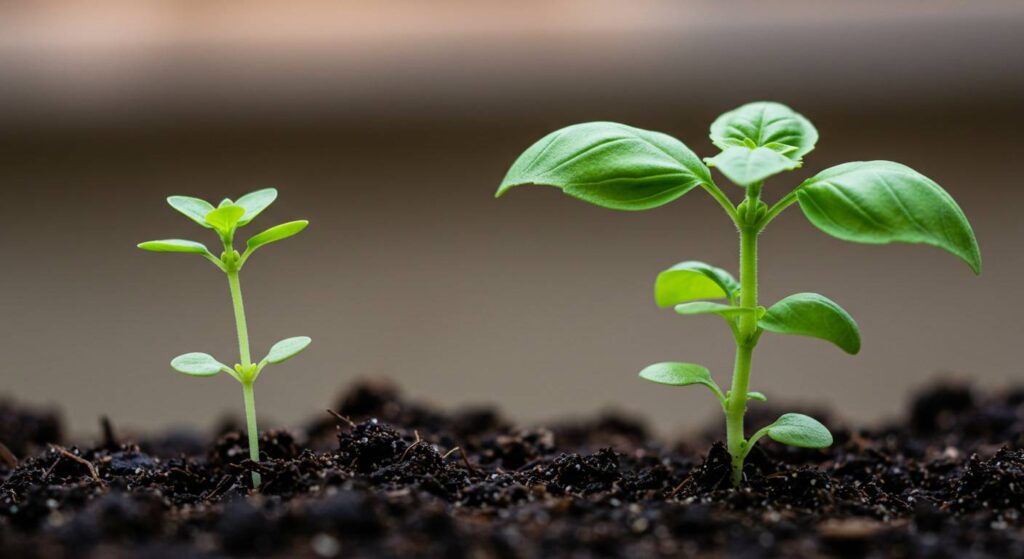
x,y
876,202
225,220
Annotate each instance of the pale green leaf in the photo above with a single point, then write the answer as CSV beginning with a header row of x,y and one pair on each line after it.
x,y
691,281
276,233
706,307
197,364
795,429
255,202
681,374
225,218
611,165
880,202
765,124
286,349
810,314
174,245
193,208
759,396
745,166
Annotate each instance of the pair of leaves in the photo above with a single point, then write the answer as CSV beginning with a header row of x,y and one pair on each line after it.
x,y
199,211
204,365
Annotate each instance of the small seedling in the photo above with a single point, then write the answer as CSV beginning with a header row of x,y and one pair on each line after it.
x,y
876,202
225,220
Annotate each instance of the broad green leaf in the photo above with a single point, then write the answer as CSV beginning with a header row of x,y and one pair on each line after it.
x,y
255,202
681,374
879,202
193,208
705,307
286,349
611,165
276,233
691,281
745,166
795,429
765,124
810,314
174,245
759,396
197,364
225,218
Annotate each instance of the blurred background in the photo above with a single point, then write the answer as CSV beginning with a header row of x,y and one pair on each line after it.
x,y
390,124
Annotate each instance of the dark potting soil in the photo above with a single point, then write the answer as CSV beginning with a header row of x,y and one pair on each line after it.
x,y
388,478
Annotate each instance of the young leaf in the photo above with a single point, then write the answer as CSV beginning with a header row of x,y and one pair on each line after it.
x,y
759,396
611,165
276,233
705,307
287,348
174,245
880,202
765,124
810,314
692,280
745,166
255,202
799,430
197,364
193,208
225,218
681,374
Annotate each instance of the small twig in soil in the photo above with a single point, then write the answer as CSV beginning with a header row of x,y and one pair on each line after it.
x,y
465,460
341,418
415,443
8,457
680,487
74,458
110,441
449,453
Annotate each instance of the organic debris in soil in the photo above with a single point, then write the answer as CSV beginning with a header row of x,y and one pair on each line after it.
x,y
381,477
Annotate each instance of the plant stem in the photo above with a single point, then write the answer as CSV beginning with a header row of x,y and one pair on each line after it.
x,y
254,437
746,335
243,330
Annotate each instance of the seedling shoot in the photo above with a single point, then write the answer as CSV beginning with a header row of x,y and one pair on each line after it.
x,y
876,202
225,220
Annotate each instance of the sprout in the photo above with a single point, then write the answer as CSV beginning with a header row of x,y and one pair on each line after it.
x,y
876,202
225,221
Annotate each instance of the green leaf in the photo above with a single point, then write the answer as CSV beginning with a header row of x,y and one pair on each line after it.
x,y
255,202
197,364
691,281
681,374
286,349
765,124
879,202
745,166
705,307
174,245
759,396
193,208
611,165
276,233
795,429
810,314
225,218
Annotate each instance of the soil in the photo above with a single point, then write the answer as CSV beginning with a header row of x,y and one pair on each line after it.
x,y
383,477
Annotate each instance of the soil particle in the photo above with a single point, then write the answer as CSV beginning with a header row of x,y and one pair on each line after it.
x,y
386,478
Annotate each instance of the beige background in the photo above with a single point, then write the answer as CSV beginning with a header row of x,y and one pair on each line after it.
x,y
390,131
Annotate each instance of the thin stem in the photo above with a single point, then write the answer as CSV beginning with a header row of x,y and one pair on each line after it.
x,y
722,199
778,208
243,330
254,434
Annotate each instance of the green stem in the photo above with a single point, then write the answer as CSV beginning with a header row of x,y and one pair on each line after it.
x,y
254,436
746,335
243,330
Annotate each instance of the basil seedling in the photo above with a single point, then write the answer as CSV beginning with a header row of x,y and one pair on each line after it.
x,y
225,220
624,168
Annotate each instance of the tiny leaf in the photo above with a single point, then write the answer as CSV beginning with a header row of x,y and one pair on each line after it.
x,y
765,124
276,233
255,202
193,208
759,396
197,364
706,307
681,374
225,218
692,280
611,165
745,166
286,349
810,314
879,202
174,245
795,429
